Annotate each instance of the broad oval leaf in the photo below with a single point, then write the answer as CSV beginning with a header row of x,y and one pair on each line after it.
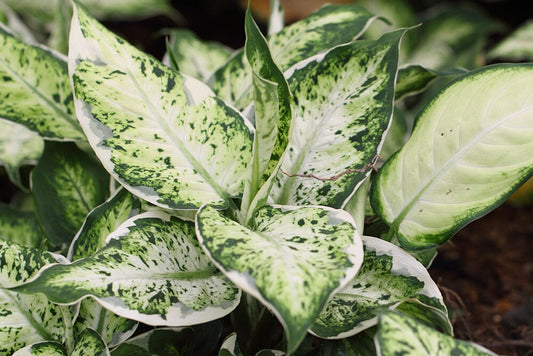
x,y
45,348
388,277
20,226
471,147
342,107
25,319
89,342
152,270
292,260
18,146
67,184
401,335
322,30
101,222
171,146
518,46
35,90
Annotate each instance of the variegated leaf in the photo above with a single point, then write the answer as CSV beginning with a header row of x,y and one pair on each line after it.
x,y
388,277
174,146
326,28
518,46
412,80
102,221
20,226
89,342
67,184
230,347
401,335
35,90
276,20
45,348
151,270
195,57
18,146
343,103
112,328
292,260
24,319
469,150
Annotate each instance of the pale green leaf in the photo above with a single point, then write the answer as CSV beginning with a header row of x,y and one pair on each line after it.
x,y
67,184
470,149
388,277
102,221
195,57
15,25
518,46
343,103
151,270
276,20
401,335
24,319
289,261
89,342
18,146
112,328
35,90
324,29
175,146
45,348
20,226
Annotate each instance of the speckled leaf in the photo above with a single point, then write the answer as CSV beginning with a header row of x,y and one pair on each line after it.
x,y
289,261
387,277
45,348
343,103
518,46
175,147
324,29
112,328
151,270
19,226
67,184
24,319
195,57
89,342
102,221
35,90
272,111
401,335
469,150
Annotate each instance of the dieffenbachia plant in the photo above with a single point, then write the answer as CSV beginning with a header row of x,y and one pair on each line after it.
x,y
219,201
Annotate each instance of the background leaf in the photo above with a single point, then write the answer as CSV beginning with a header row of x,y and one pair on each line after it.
x,y
48,348
20,226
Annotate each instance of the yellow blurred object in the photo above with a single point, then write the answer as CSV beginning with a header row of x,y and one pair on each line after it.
x,y
294,9
524,194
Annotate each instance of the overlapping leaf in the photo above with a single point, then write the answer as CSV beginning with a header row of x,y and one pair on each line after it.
x,y
172,146
152,270
20,226
518,46
35,90
388,277
338,124
292,260
24,319
47,348
326,28
67,184
469,150
89,342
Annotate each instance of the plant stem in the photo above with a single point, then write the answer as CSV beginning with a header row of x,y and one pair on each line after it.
x,y
69,327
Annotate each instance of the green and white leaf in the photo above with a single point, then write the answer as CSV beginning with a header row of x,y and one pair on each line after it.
x,y
173,145
25,319
151,270
330,26
194,57
289,261
276,20
230,347
101,222
470,149
431,315
400,334
412,80
45,348
388,277
89,342
18,146
338,125
15,25
112,328
20,226
67,184
272,115
518,46
35,90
